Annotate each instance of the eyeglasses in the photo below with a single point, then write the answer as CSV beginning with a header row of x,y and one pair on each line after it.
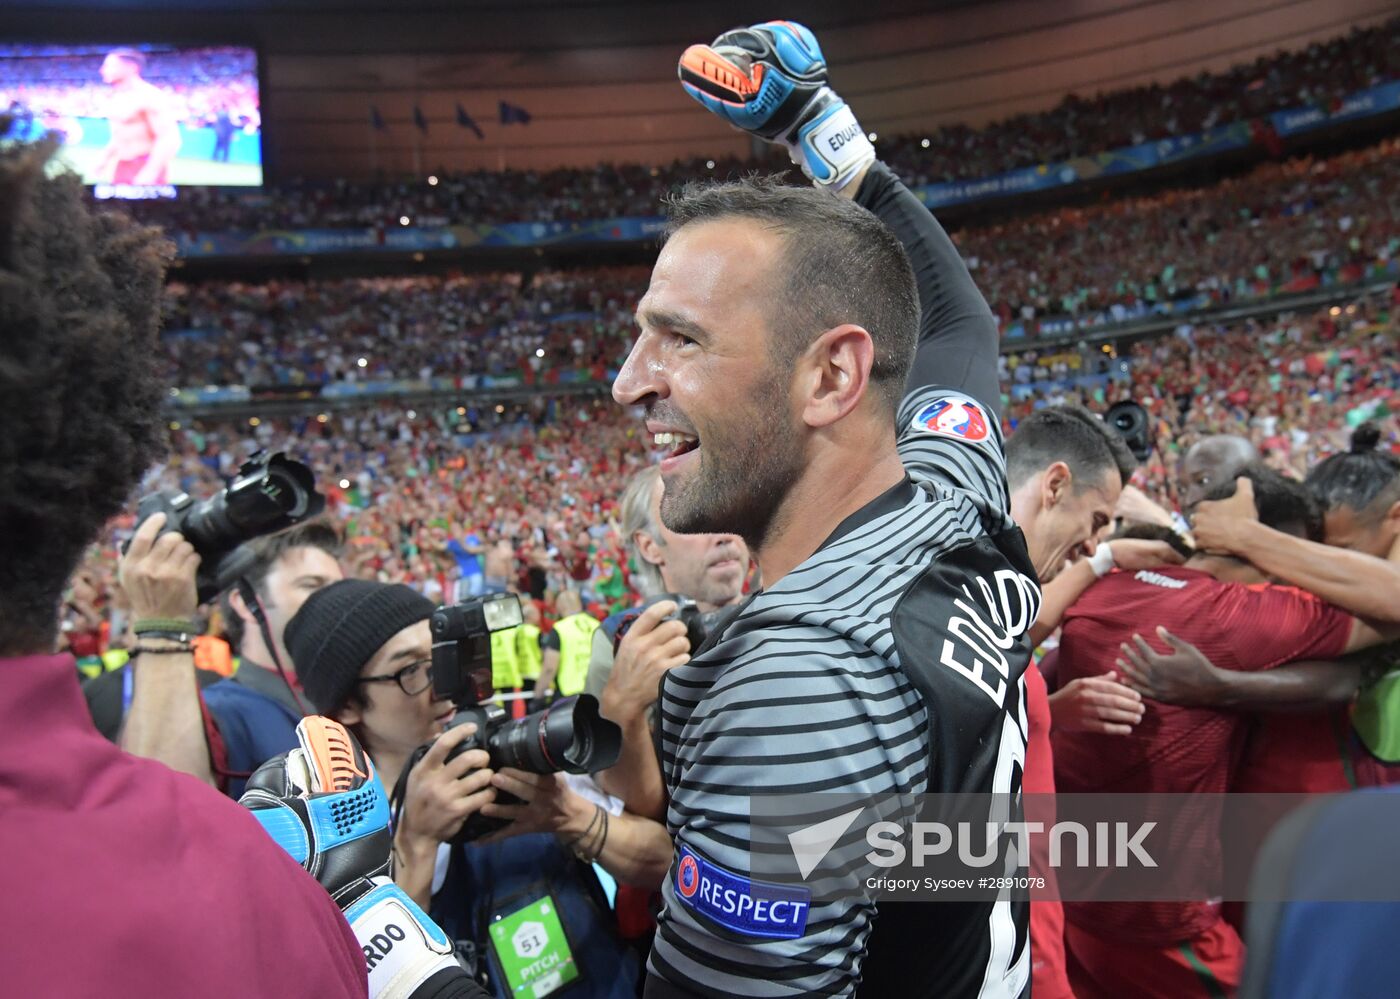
x,y
413,679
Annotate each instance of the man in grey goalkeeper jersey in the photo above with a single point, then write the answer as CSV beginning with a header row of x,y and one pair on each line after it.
x,y
836,409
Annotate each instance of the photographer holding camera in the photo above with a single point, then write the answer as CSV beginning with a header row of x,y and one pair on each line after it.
x,y
706,568
253,715
363,652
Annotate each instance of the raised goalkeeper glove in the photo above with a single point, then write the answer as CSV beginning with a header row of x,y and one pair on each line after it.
x,y
324,804
770,80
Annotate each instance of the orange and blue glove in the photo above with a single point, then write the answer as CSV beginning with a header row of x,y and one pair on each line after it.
x,y
324,804
770,80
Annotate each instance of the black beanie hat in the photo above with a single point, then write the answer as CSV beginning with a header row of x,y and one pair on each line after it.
x,y
341,627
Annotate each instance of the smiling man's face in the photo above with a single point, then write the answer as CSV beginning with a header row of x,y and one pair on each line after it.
x,y
703,369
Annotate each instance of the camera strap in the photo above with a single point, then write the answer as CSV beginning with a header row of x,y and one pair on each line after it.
x,y
255,607
400,793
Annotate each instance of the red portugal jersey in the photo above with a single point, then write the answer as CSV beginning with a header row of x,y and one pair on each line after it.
x,y
1298,753
1177,749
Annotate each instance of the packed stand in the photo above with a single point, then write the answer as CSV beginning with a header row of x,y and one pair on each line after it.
x,y
1295,386
1283,228
288,333
1316,76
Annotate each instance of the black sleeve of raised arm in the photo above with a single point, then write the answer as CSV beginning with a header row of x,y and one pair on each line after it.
x,y
958,336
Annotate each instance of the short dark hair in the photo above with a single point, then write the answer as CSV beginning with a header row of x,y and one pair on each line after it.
x,y
1283,504
268,550
1070,434
81,395
1363,478
1155,532
843,265
136,58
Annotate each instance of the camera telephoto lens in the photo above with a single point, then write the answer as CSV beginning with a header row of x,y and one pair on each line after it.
x,y
569,735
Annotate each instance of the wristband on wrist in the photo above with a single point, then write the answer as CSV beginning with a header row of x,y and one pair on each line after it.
x,y
163,624
1102,560
183,637
164,650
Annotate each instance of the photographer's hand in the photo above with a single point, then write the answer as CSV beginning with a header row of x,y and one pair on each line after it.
x,y
548,805
166,722
158,573
651,646
440,796
633,849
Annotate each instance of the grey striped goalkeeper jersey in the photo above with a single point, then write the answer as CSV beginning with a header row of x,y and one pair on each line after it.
x,y
865,670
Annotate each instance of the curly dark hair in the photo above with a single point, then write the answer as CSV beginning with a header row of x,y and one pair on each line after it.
x,y
81,399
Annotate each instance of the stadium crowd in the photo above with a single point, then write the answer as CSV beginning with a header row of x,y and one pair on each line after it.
x,y
1284,228
1317,76
358,329
542,476
1295,386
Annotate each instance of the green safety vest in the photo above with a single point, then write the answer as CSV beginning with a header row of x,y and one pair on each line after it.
x,y
505,664
527,650
575,648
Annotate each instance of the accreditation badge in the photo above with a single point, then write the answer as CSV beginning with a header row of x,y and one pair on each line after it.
x,y
533,951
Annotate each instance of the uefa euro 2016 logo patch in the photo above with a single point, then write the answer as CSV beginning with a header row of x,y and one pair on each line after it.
x,y
954,416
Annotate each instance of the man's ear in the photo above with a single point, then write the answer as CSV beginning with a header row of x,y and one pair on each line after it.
x,y
649,548
834,374
349,715
239,607
1055,484
1391,521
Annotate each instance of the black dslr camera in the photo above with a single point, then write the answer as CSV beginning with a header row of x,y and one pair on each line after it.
x,y
569,735
698,624
270,493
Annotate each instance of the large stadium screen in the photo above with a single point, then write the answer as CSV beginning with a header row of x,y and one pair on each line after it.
x,y
138,121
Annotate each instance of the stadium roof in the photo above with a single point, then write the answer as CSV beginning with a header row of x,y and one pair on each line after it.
x,y
311,26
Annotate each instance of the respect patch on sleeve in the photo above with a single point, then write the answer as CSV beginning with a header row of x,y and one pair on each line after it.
x,y
742,905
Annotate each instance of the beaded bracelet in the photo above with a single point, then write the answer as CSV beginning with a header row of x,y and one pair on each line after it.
x,y
179,650
183,637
